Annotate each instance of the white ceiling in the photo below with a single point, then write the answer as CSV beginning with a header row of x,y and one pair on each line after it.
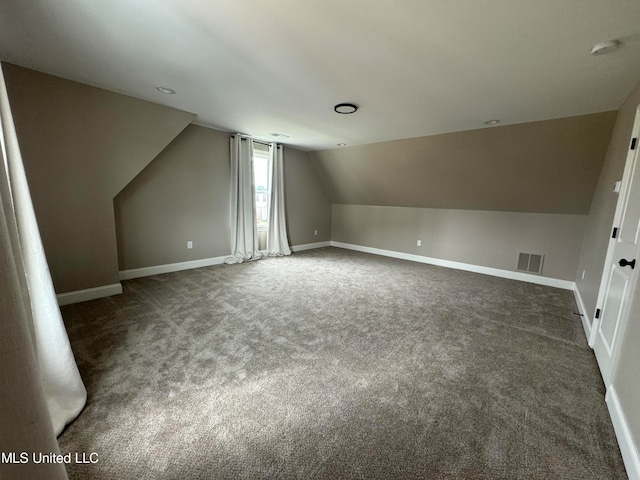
x,y
415,67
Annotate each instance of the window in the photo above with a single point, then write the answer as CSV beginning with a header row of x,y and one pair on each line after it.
x,y
261,177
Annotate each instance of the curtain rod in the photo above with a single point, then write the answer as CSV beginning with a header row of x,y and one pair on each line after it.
x,y
257,141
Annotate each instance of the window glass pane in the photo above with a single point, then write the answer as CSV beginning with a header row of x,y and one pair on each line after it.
x,y
261,175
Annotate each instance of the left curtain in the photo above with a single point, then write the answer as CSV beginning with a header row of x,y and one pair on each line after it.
x,y
244,232
59,378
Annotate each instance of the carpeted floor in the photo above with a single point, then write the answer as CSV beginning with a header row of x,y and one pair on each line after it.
x,y
334,364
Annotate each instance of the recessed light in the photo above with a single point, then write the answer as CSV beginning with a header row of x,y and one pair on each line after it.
x,y
345,108
167,90
342,144
495,121
605,47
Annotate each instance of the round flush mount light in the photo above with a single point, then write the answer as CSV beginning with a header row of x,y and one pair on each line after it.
x,y
345,108
342,144
495,121
167,90
605,47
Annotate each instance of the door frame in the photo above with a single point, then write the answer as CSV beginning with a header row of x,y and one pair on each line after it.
x,y
606,271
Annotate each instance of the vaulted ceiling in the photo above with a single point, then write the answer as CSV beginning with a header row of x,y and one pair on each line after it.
x,y
414,67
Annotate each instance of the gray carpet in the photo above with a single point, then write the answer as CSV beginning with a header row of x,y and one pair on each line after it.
x,y
334,364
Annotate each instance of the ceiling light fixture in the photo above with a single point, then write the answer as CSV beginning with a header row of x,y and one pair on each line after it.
x,y
495,121
345,108
601,48
279,135
167,90
342,144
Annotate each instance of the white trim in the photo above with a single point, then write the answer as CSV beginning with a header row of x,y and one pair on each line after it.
x,y
631,161
205,262
586,320
170,267
78,296
628,448
496,272
309,246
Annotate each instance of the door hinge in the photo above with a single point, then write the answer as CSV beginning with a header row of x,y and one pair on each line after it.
x,y
597,313
615,232
633,143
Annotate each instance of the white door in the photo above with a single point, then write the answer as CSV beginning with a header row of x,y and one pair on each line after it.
x,y
621,267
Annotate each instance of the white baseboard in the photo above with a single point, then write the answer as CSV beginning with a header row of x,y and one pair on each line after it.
x,y
628,448
586,320
309,246
108,290
496,272
78,296
205,262
170,267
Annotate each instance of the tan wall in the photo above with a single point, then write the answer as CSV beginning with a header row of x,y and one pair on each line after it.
x,y
540,167
81,145
184,195
307,205
490,239
477,197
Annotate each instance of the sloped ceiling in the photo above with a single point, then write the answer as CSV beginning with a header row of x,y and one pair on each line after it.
x,y
540,167
415,67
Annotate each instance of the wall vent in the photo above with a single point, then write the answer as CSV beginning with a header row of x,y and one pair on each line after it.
x,y
530,262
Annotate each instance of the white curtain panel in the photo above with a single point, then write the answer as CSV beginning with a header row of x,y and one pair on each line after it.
x,y
244,232
64,391
277,241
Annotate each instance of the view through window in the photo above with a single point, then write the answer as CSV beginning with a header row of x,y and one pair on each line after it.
x,y
261,176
